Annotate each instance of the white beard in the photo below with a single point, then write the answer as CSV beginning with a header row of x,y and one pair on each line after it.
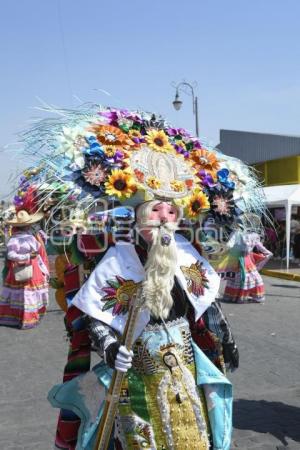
x,y
160,271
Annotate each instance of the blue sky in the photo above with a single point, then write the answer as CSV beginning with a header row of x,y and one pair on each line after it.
x,y
244,56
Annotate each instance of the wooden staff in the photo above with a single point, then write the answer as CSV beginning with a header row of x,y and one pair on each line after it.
x,y
112,398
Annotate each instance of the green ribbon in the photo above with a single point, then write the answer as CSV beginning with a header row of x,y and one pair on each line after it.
x,y
242,269
137,395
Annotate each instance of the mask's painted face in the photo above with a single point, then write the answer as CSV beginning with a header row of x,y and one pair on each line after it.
x,y
151,215
164,213
160,214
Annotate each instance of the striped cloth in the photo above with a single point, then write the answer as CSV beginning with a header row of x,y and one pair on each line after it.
x,y
79,359
245,287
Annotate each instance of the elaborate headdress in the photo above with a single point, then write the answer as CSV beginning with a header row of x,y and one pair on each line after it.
x,y
127,157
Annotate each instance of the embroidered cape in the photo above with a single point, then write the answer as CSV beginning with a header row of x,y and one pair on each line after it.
x,y
121,269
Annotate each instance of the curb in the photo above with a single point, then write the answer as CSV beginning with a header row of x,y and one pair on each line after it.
x,y
278,274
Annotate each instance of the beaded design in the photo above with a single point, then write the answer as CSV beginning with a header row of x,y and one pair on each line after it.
x,y
197,280
160,391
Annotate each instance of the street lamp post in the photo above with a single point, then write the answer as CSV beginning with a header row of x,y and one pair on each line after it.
x,y
177,103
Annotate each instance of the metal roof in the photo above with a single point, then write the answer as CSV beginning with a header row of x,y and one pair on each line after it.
x,y
258,147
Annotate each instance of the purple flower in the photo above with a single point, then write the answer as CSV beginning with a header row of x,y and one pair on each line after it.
x,y
196,144
118,156
178,132
137,140
114,115
179,149
206,178
18,200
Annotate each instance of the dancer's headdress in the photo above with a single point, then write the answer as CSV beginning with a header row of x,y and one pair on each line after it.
x,y
128,157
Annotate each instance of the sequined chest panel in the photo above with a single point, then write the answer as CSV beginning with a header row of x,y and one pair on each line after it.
x,y
160,405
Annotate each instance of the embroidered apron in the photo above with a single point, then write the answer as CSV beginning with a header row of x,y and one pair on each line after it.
x,y
160,405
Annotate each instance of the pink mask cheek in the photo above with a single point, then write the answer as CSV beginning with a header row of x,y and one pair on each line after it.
x,y
172,217
153,215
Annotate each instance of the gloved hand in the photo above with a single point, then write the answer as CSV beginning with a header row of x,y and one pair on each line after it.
x,y
124,359
118,357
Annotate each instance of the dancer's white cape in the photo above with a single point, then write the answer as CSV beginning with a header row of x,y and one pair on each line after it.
x,y
122,260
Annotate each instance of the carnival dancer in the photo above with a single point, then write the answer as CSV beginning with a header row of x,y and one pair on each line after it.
x,y
103,155
243,263
24,296
173,394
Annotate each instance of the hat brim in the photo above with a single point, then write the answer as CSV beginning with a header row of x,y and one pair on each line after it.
x,y
32,219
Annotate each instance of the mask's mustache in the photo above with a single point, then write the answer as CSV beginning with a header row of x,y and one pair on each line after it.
x,y
149,224
164,233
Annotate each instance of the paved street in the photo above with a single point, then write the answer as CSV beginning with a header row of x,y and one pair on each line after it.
x,y
267,390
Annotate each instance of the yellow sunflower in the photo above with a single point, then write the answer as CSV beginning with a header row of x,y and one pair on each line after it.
x,y
153,182
120,184
197,203
134,134
158,141
109,150
177,186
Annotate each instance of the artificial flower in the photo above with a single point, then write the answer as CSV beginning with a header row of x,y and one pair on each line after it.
x,y
195,143
118,157
153,182
111,115
180,148
125,124
177,186
140,176
109,150
81,185
158,141
32,171
238,173
223,175
94,148
189,183
72,144
114,155
120,183
197,203
94,174
114,116
178,133
135,134
27,199
206,179
223,207
205,160
180,145
136,137
110,135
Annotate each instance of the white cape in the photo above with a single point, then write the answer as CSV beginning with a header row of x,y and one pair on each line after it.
x,y
122,260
